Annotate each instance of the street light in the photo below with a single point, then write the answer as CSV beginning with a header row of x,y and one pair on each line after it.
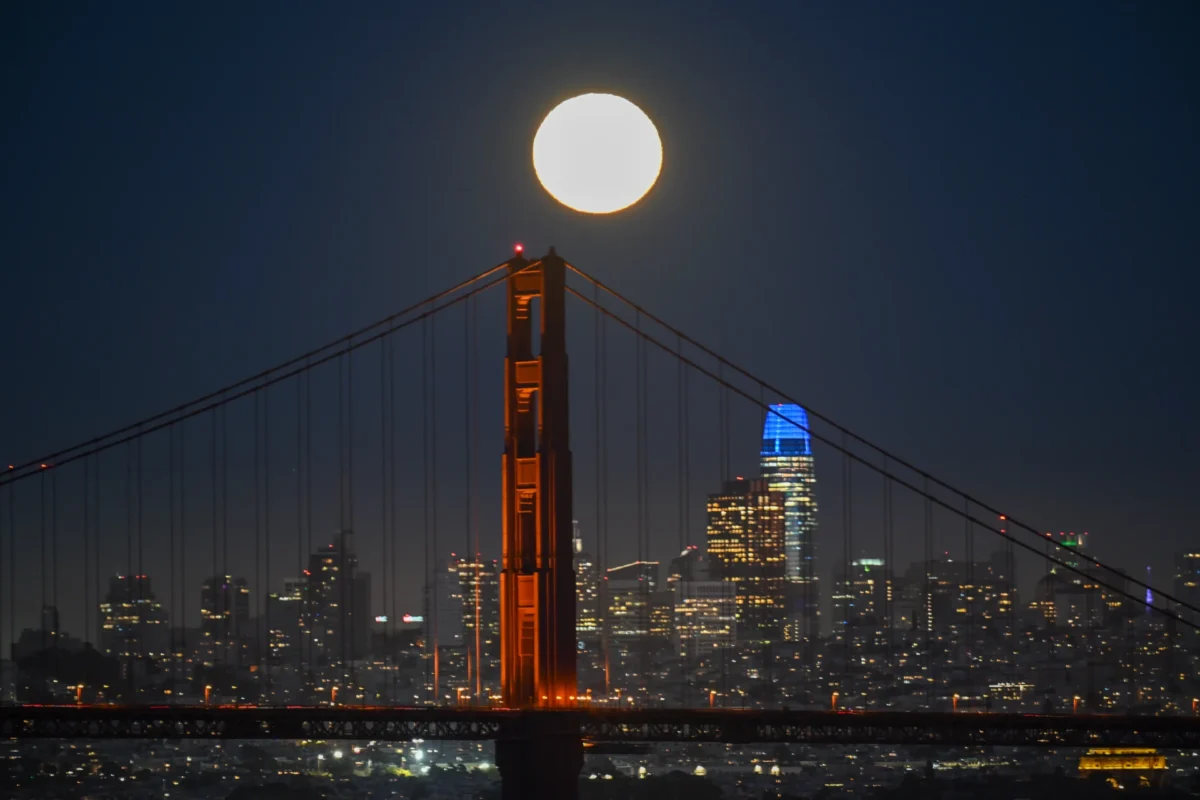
x,y
1075,705
833,701
207,694
955,701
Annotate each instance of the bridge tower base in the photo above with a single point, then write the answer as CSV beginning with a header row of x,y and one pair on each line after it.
x,y
540,759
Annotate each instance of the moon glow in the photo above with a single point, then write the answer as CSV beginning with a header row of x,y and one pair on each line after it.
x,y
597,153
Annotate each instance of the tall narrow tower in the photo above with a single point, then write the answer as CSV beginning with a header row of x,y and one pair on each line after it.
x,y
537,580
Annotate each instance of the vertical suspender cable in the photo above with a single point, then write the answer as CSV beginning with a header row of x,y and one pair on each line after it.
x,y
171,540
354,612
681,436
87,556
430,647
259,585
129,573
296,645
342,542
12,563
433,497
395,609
215,540
473,477
143,581
471,646
927,612
308,527
384,481
972,596
183,562
889,566
266,649
846,590
601,490
226,616
42,542
54,555
640,434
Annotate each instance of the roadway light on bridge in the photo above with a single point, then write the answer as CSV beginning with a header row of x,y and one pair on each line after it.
x,y
712,696
833,701
207,694
1075,704
955,701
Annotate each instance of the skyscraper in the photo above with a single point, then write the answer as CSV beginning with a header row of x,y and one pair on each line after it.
x,y
587,594
786,460
132,622
475,596
337,599
224,611
746,526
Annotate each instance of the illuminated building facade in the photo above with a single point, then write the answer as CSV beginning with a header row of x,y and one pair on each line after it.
x,y
472,613
786,461
587,594
132,622
224,611
746,530
705,620
337,603
285,622
862,592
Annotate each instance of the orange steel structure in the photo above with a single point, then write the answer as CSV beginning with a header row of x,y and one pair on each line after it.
x,y
537,578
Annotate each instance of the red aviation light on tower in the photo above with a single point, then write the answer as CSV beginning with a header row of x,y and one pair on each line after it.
x,y
518,248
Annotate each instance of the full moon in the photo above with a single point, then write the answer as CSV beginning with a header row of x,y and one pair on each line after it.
x,y
597,153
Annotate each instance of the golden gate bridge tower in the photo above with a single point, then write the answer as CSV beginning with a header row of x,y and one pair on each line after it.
x,y
537,579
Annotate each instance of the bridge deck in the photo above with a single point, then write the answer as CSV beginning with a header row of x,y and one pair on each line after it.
x,y
598,725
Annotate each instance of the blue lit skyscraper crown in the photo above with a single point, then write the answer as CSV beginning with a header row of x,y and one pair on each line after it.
x,y
785,431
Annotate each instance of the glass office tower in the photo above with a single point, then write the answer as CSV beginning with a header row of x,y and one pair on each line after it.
x,y
786,460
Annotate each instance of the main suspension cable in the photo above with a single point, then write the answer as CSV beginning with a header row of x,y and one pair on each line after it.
x,y
900,481
723,362
217,399
58,456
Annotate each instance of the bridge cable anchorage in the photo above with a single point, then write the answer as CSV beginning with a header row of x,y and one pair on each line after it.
x,y
900,481
896,460
147,424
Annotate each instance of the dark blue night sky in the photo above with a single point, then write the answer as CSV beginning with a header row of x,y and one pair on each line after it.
x,y
968,231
